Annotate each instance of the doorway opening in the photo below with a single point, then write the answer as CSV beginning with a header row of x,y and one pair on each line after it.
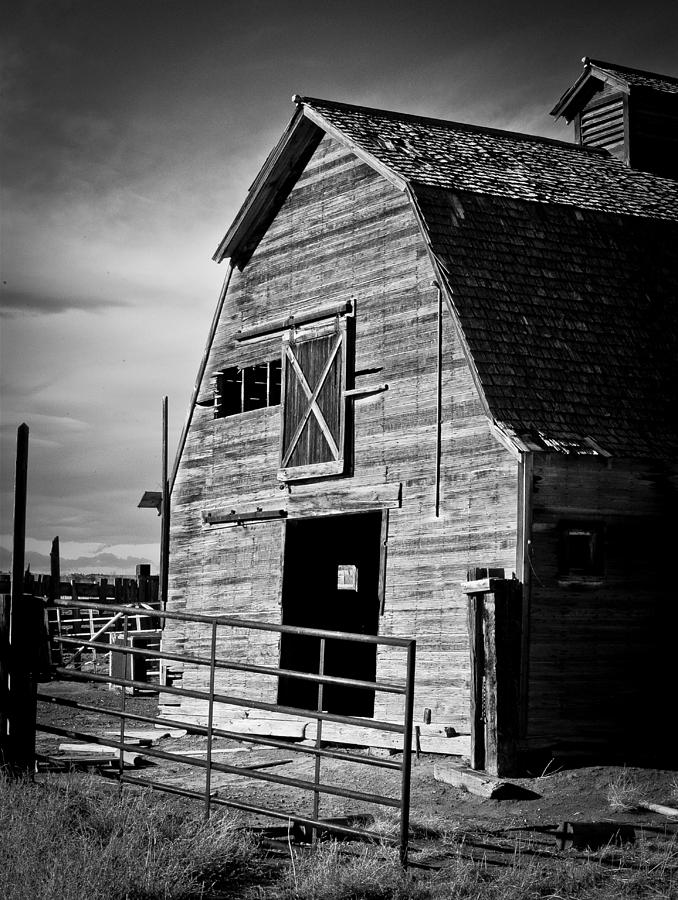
x,y
331,581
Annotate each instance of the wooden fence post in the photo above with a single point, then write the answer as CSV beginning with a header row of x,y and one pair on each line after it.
x,y
494,616
5,605
55,570
165,513
22,658
27,634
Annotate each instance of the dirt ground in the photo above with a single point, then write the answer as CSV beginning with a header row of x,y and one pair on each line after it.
x,y
440,813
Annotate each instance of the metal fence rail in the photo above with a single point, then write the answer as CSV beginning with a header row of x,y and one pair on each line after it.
x,y
212,663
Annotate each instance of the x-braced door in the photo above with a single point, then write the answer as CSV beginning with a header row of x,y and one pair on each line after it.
x,y
313,403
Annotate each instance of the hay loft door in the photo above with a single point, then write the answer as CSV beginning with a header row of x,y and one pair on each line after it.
x,y
331,581
313,403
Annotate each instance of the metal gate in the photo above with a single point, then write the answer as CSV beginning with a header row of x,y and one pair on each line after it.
x,y
312,824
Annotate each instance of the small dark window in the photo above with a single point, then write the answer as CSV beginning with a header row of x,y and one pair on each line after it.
x,y
252,387
275,370
228,393
581,549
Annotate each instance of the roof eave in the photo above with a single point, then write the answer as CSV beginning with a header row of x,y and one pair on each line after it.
x,y
277,177
274,182
567,105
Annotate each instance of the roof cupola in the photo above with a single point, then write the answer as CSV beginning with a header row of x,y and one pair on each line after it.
x,y
630,113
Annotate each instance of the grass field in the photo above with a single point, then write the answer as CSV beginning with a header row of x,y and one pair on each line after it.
x,y
73,838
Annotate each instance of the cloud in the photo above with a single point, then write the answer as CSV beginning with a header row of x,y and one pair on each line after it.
x,y
100,563
24,302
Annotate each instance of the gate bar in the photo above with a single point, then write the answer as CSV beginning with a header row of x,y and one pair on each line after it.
x,y
300,783
345,756
259,810
374,724
382,686
233,622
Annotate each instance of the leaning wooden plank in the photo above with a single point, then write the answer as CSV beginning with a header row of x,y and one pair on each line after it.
x,y
149,735
92,748
266,727
99,752
348,735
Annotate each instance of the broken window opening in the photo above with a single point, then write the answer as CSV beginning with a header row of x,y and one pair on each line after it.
x,y
239,390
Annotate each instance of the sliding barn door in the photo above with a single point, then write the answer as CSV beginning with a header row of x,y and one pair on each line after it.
x,y
313,403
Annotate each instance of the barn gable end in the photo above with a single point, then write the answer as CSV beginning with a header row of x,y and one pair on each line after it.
x,y
346,237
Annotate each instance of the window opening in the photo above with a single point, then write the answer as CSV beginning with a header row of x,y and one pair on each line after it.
x,y
581,549
239,390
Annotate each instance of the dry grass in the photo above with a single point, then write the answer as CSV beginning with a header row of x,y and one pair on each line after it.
x,y
76,839
631,873
623,794
73,839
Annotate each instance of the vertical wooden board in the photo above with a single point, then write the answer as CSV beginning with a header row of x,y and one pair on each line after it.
x,y
477,653
489,691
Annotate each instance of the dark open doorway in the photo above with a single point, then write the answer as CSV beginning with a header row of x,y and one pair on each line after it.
x,y
331,581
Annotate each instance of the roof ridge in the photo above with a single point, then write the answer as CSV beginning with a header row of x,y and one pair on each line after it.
x,y
601,64
478,129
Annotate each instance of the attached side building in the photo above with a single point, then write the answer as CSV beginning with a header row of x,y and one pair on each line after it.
x,y
439,348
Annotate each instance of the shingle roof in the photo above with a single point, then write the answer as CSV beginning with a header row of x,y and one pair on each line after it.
x,y
559,262
570,316
500,163
637,77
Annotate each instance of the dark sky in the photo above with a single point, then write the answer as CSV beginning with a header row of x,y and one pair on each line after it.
x,y
131,131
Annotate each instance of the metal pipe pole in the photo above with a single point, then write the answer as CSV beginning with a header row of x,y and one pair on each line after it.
x,y
318,738
210,722
407,754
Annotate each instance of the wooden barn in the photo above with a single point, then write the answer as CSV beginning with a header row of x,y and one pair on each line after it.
x,y
443,348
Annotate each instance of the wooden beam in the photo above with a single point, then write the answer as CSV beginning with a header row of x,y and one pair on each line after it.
x,y
481,784
221,517
358,392
201,373
284,323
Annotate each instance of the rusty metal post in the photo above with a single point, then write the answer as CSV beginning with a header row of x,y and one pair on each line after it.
x,y
318,738
123,701
210,722
407,754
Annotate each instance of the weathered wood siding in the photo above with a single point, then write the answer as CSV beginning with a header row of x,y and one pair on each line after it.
x,y
599,651
346,234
